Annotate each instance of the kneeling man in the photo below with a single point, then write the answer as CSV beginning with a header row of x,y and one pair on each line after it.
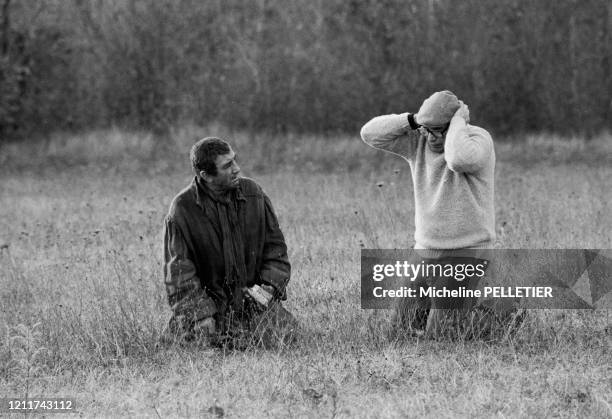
x,y
452,165
225,260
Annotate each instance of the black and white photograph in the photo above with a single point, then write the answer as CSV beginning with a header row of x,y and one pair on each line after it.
x,y
313,209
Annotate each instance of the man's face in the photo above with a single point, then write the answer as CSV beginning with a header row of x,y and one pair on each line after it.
x,y
436,136
228,172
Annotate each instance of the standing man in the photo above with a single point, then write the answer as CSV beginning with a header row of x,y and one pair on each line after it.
x,y
452,165
225,260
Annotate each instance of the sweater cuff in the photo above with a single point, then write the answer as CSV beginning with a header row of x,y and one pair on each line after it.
x,y
412,122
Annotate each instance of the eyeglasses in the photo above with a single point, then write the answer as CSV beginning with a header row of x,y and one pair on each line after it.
x,y
435,131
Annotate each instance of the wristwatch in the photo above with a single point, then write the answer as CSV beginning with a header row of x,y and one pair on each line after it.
x,y
412,122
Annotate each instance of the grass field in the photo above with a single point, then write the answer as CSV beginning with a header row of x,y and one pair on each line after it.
x,y
83,302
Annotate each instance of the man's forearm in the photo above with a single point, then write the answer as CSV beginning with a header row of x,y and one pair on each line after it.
x,y
395,133
275,267
277,276
185,294
466,151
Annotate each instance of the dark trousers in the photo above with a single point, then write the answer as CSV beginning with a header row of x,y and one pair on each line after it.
x,y
252,326
438,315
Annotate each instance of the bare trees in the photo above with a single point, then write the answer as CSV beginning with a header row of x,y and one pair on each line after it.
x,y
302,65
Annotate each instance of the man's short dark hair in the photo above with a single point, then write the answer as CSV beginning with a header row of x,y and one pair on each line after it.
x,y
204,153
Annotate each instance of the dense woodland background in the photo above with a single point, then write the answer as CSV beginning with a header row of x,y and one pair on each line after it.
x,y
304,66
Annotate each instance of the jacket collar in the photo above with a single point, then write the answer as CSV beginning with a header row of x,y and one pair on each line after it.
x,y
202,192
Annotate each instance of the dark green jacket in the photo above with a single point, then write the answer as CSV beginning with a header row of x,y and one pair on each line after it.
x,y
194,266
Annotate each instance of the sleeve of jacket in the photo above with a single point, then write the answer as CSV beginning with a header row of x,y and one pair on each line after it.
x,y
185,294
391,133
468,149
275,267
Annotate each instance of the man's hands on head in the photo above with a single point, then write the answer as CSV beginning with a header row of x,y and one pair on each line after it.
x,y
463,112
416,119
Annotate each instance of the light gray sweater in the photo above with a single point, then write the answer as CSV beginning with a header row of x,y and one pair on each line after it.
x,y
453,190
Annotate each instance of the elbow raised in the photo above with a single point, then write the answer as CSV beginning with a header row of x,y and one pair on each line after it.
x,y
367,134
468,160
468,154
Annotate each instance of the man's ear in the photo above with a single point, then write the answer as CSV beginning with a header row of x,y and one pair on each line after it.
x,y
204,176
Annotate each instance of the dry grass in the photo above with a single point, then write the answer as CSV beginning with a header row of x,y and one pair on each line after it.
x,y
82,257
